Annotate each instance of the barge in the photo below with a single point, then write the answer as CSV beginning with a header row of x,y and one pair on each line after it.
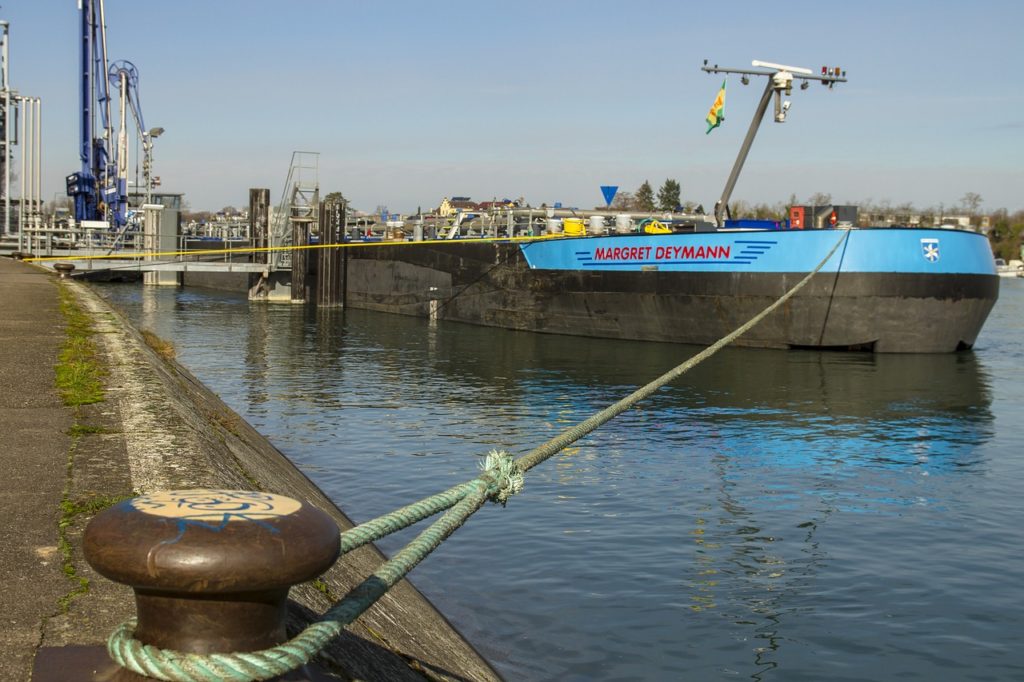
x,y
886,290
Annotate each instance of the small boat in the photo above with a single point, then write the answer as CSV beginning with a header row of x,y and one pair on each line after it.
x,y
1014,268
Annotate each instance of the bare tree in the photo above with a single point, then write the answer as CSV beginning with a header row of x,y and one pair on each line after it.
x,y
971,202
739,209
623,201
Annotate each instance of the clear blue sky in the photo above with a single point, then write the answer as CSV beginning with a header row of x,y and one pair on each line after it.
x,y
408,102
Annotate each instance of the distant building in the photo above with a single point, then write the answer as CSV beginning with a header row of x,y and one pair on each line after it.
x,y
450,207
891,218
488,205
961,221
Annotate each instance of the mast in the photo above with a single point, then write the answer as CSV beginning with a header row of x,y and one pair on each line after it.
x,y
780,80
5,161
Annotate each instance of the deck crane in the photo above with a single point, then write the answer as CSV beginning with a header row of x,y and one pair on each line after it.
x,y
99,188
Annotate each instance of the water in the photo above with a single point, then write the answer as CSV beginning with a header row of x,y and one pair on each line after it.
x,y
773,515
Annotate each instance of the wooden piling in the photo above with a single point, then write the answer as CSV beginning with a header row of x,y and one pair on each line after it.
x,y
331,267
259,222
301,226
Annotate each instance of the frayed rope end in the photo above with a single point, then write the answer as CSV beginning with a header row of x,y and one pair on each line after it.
x,y
508,479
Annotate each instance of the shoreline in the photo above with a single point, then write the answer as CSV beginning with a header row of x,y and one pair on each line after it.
x,y
159,427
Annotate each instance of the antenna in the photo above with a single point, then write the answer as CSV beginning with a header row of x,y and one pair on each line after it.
x,y
781,67
780,80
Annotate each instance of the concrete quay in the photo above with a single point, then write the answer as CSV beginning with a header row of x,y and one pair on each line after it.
x,y
157,428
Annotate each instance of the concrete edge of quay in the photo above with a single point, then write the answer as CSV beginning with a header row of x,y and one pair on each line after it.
x,y
160,428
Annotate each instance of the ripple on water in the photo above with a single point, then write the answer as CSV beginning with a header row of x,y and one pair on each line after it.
x,y
772,515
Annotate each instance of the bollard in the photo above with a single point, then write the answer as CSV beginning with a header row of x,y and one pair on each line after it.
x,y
211,569
64,269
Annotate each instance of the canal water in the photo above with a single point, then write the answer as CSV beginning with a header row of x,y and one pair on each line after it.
x,y
772,515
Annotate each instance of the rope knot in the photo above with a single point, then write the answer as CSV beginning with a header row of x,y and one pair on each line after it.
x,y
507,478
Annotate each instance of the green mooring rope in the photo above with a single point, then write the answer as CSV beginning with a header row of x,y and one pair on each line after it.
x,y
501,478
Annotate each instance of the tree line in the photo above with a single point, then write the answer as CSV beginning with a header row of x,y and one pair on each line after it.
x,y
644,199
1007,234
1006,229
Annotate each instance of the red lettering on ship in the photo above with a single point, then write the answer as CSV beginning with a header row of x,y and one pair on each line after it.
x,y
691,253
637,253
622,253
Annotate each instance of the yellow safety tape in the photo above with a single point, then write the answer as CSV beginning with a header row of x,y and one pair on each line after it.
x,y
269,249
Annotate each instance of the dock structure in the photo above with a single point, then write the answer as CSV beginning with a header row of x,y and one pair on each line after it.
x,y
259,222
302,227
331,262
154,427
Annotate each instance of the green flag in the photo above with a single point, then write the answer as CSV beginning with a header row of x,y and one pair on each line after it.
x,y
717,113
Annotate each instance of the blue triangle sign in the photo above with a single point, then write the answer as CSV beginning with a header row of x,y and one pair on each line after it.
x,y
609,193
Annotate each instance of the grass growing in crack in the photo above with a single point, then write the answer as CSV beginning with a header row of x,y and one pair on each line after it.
x,y
77,430
324,589
79,375
70,510
90,505
163,348
229,422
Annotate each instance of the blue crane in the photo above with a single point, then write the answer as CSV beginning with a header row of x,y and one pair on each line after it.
x,y
99,188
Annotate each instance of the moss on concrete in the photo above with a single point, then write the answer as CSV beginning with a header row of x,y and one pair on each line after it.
x,y
79,377
79,374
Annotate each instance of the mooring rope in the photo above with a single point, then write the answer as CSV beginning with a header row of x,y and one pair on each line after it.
x,y
502,476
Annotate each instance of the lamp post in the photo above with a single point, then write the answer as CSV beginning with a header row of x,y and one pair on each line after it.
x,y
4,75
147,162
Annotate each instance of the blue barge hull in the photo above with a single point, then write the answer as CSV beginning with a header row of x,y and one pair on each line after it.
x,y
888,290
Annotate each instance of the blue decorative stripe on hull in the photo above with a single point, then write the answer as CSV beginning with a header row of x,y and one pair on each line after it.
x,y
922,251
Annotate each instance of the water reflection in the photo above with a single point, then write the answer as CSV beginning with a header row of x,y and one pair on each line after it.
x,y
745,573
729,503
256,361
790,409
795,408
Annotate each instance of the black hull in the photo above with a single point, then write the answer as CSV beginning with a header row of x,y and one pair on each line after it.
x,y
491,284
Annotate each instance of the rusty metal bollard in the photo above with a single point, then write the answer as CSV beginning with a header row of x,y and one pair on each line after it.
x,y
211,569
64,269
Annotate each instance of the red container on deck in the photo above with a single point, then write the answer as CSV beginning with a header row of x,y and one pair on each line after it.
x,y
796,217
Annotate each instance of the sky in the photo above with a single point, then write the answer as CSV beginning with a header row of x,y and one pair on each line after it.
x,y
408,102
